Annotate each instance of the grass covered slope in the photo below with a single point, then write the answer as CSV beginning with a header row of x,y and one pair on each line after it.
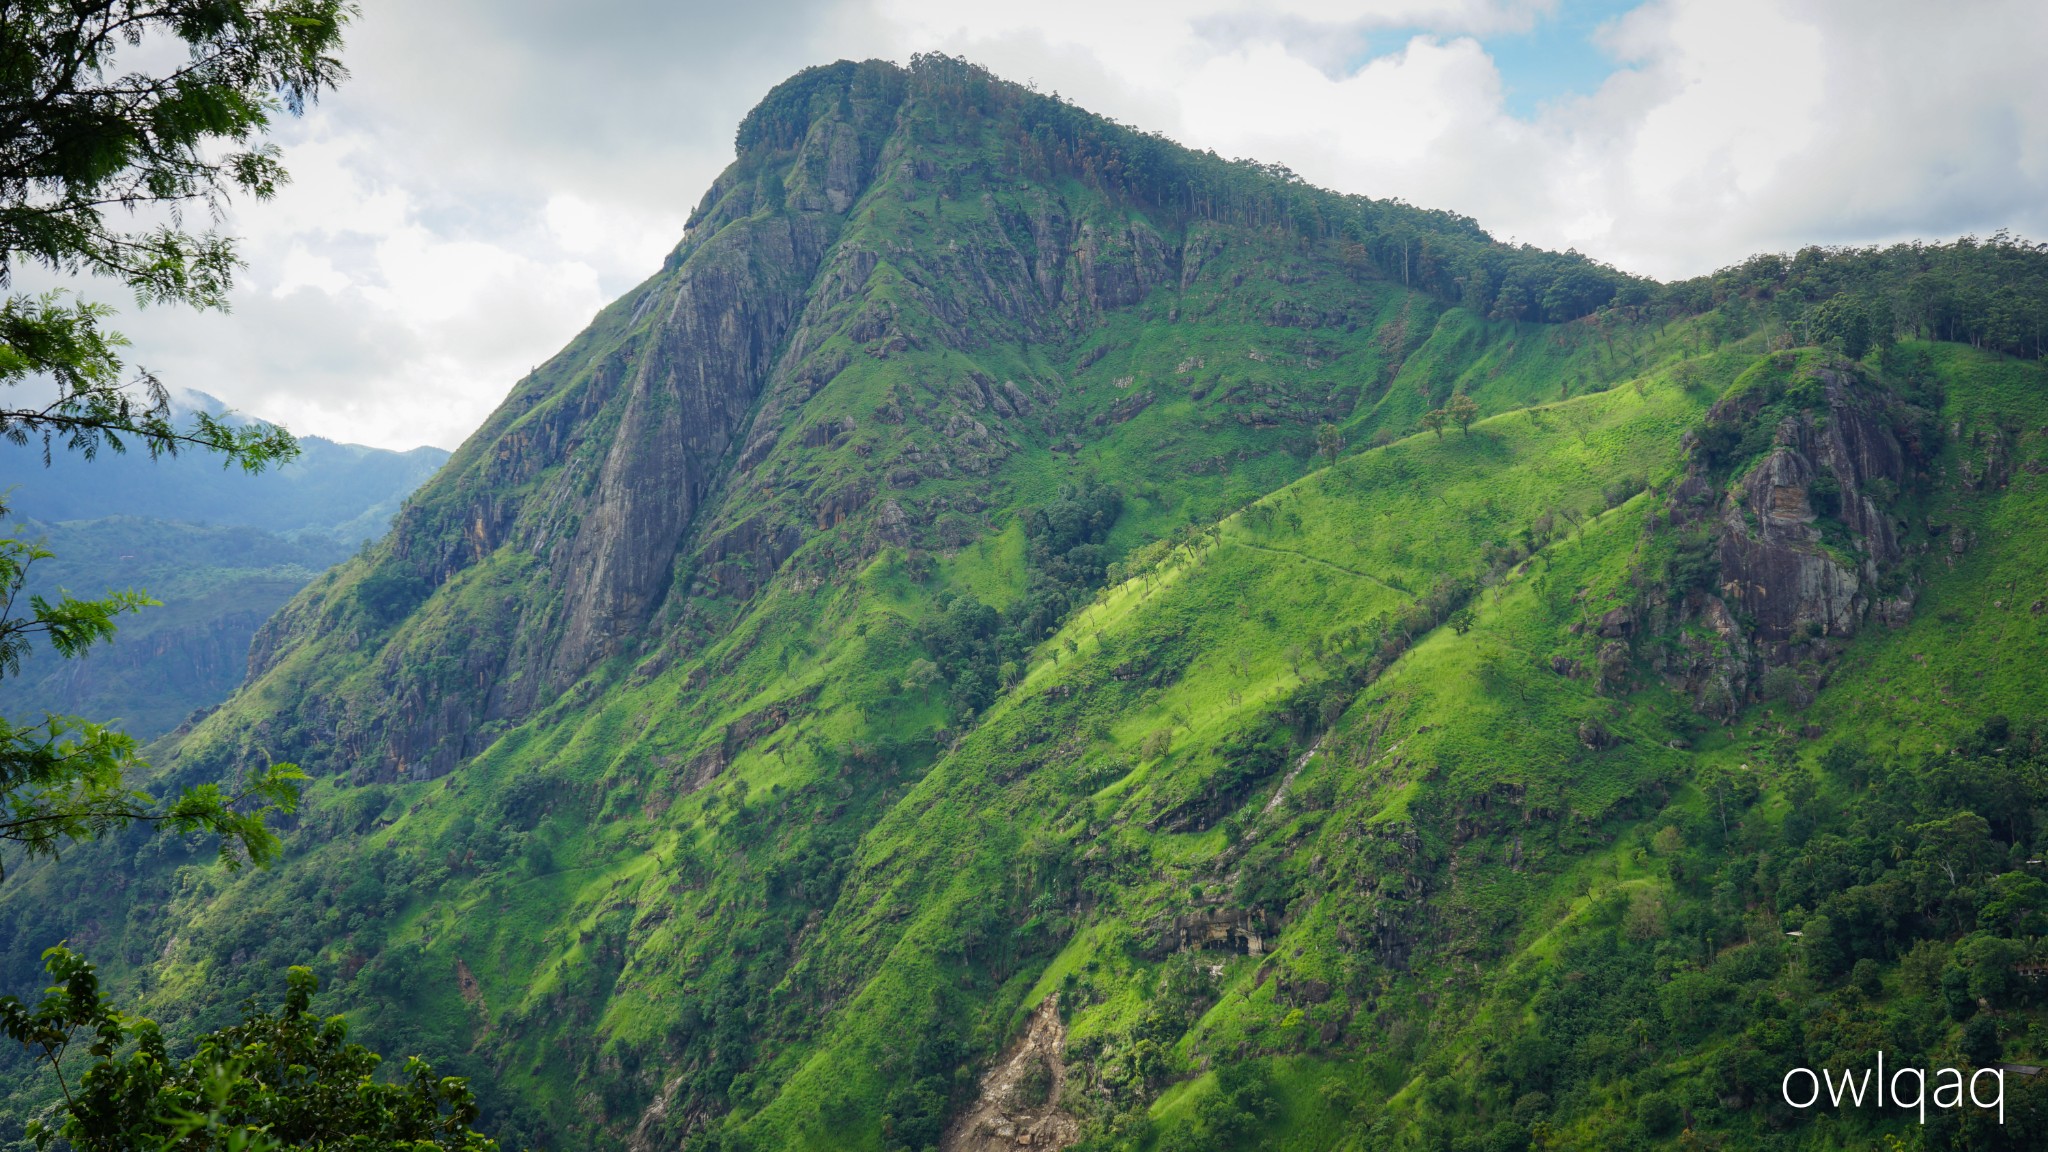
x,y
1139,768
1001,561
1508,903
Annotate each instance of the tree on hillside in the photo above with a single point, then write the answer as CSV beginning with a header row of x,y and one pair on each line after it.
x,y
1852,322
1434,420
1329,442
1463,410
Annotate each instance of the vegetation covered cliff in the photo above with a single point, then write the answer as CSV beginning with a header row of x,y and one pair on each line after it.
x,y
1023,630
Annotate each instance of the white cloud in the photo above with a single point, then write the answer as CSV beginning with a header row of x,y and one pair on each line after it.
x,y
362,316
497,169
1726,126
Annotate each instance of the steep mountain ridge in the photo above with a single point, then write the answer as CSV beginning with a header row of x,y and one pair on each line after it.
x,y
1003,560
591,478
580,493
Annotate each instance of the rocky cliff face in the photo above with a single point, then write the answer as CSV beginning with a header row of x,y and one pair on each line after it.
x,y
1800,538
573,504
1830,462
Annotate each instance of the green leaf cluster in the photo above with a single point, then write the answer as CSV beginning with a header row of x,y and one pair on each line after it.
x,y
276,1081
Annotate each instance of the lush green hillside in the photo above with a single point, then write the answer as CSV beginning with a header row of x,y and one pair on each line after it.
x,y
988,643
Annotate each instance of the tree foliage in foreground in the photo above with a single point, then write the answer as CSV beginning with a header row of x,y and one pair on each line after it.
x,y
80,136
278,1080
65,780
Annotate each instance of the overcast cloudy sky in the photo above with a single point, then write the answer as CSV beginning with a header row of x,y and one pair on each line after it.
x,y
497,170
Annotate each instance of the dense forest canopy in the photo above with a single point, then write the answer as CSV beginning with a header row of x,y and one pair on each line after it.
x,y
1990,294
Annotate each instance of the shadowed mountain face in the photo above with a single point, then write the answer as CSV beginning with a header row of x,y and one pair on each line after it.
x,y
1019,629
215,586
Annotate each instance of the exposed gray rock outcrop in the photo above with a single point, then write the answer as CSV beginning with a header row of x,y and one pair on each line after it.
x,y
1802,539
1775,564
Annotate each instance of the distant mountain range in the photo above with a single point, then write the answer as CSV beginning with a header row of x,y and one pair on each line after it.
x,y
222,551
345,492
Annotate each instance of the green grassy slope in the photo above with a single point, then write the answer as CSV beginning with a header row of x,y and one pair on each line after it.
x,y
1223,632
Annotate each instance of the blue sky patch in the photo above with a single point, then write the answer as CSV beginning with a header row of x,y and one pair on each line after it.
x,y
1555,58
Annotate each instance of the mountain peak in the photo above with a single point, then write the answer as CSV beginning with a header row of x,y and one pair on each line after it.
x,y
908,277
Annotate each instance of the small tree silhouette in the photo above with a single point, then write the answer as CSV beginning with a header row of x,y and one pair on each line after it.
x,y
1329,441
1464,410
